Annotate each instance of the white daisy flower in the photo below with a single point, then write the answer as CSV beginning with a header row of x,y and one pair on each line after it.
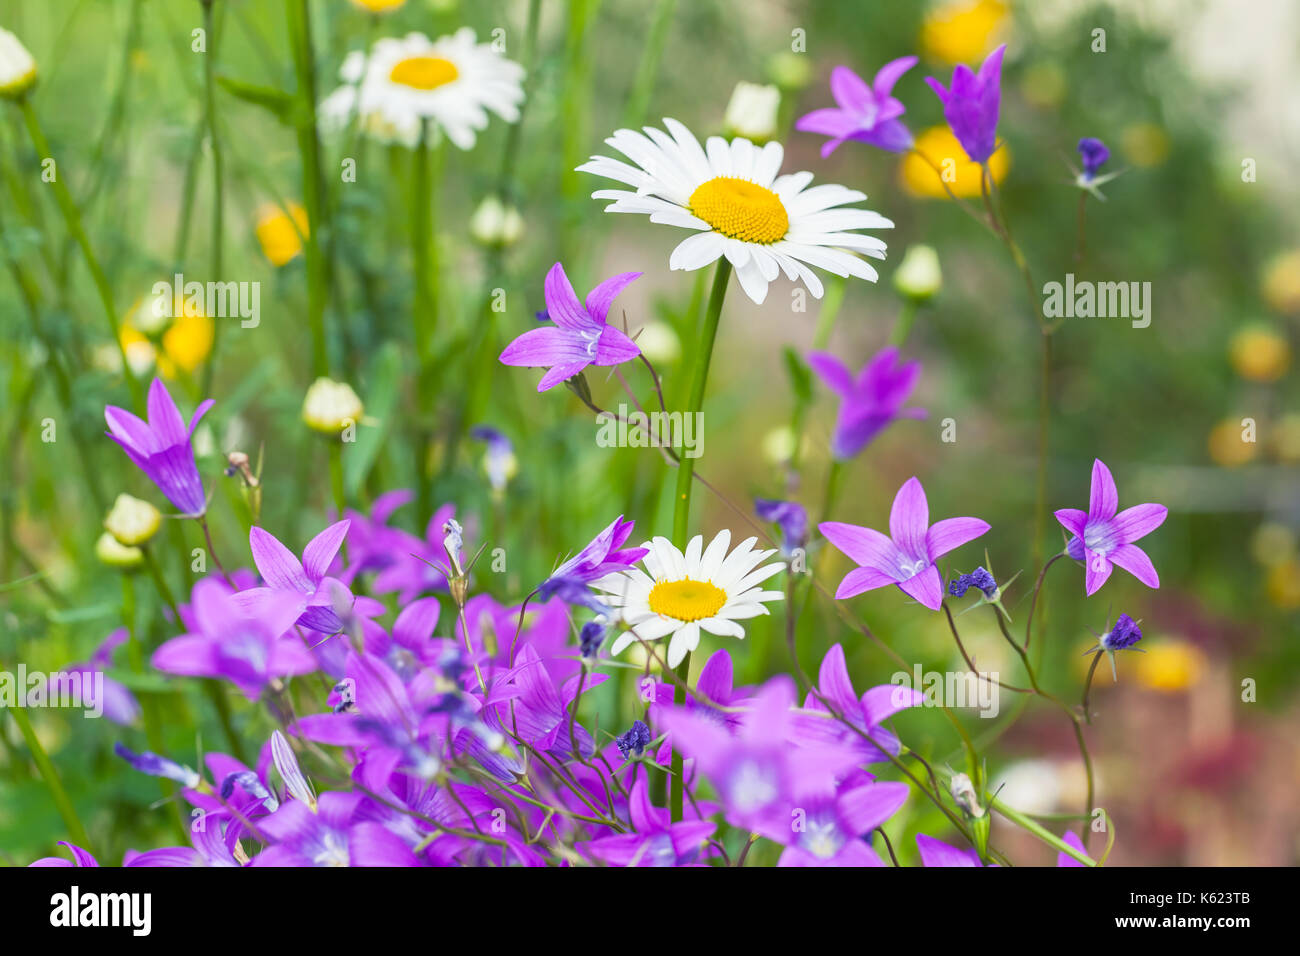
x,y
682,594
454,81
730,193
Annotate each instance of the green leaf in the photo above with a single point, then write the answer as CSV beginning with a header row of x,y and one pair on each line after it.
x,y
277,102
800,374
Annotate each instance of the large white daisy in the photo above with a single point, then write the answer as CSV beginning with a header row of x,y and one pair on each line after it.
x,y
732,195
681,594
454,81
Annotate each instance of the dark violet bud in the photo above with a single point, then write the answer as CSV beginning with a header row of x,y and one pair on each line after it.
x,y
960,585
1075,548
592,636
1094,154
542,316
979,578
790,516
156,766
634,742
1124,634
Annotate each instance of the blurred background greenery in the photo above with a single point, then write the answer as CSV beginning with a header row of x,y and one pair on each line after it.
x,y
1189,772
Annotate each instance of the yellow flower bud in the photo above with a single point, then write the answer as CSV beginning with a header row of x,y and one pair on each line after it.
x,y
331,406
132,521
117,555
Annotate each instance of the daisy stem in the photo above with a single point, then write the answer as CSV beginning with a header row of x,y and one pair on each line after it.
x,y
218,197
422,248
51,776
72,218
685,474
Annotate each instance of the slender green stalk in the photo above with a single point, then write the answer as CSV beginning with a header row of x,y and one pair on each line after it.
x,y
647,71
51,776
72,218
1047,836
685,473
312,180
903,327
425,318
218,199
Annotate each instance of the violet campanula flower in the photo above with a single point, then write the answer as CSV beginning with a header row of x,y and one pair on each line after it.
x,y
580,335
1103,536
869,401
937,853
655,840
867,713
906,557
308,578
247,646
831,823
164,856
338,833
971,105
118,703
868,114
791,517
714,689
756,771
162,448
604,555
541,710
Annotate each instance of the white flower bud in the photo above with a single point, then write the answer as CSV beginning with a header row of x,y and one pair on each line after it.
x,y
132,521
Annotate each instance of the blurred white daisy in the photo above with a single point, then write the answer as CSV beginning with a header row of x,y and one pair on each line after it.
x,y
681,594
732,195
454,81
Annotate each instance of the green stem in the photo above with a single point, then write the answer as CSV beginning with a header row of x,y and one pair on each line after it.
x,y
75,226
312,181
647,70
1026,823
903,327
425,319
214,144
682,502
51,776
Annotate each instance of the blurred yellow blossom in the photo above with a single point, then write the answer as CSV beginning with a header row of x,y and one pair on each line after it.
x,y
1043,85
962,31
1144,144
1170,666
1283,584
378,6
1286,437
1228,446
132,521
1259,353
280,236
940,145
1281,282
1272,544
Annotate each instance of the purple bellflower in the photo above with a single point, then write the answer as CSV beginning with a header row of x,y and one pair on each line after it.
x,y
246,646
870,401
868,114
580,335
867,713
119,704
308,578
971,105
791,517
1103,536
655,841
602,556
906,557
161,447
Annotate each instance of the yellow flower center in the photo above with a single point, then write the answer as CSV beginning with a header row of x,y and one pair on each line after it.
x,y
423,72
687,600
741,209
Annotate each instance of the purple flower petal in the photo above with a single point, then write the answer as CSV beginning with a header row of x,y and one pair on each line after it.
x,y
909,519
926,588
1139,521
1103,499
951,533
1136,562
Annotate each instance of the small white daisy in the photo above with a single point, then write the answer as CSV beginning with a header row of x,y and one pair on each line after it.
x,y
454,81
731,194
682,594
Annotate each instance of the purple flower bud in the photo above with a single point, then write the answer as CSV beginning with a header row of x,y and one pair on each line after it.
x,y
791,517
593,635
1094,153
1124,634
635,741
156,766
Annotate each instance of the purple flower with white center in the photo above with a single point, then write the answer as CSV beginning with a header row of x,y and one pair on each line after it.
x,y
541,711
247,646
500,462
868,114
829,825
906,557
580,335
791,517
1094,154
756,770
714,689
156,766
284,573
1103,536
971,106
655,841
635,741
161,447
870,401
604,555
867,713
979,579
339,833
